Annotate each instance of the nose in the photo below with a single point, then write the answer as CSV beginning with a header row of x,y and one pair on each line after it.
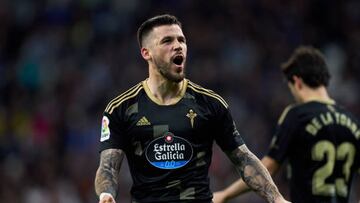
x,y
177,46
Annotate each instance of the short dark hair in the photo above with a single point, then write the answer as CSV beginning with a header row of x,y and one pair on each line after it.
x,y
309,64
156,21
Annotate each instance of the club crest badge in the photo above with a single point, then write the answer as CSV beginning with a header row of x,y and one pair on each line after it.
x,y
191,115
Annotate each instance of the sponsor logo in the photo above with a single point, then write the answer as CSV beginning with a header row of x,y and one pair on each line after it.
x,y
105,130
169,152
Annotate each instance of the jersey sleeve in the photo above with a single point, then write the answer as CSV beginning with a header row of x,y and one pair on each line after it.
x,y
358,157
112,132
281,142
227,136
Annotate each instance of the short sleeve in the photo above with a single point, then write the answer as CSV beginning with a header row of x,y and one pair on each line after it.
x,y
112,133
281,142
358,158
227,136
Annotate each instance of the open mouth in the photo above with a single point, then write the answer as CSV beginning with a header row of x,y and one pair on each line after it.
x,y
178,59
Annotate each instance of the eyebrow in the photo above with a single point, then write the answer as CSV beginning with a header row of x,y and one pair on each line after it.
x,y
166,38
173,37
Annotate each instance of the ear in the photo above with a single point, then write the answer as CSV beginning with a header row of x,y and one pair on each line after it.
x,y
145,53
298,82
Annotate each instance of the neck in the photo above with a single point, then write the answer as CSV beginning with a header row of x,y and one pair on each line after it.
x,y
164,92
318,94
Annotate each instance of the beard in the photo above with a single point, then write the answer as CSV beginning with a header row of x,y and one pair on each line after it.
x,y
165,70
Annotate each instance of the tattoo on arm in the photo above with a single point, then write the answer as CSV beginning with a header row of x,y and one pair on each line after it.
x,y
107,175
254,173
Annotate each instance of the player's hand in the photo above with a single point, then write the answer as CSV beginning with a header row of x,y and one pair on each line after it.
x,y
106,198
281,200
219,197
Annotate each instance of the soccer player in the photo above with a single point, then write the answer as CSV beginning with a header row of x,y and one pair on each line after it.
x,y
320,139
166,126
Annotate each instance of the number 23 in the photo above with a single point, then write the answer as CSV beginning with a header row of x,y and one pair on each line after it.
x,y
345,151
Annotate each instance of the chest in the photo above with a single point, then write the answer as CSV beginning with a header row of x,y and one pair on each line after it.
x,y
187,119
182,119
171,133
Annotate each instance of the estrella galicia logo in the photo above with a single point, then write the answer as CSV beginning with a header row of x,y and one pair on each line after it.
x,y
169,152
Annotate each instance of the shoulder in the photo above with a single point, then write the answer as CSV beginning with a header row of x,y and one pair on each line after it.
x,y
124,97
288,112
301,110
209,95
340,108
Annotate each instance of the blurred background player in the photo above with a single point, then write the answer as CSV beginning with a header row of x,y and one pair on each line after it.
x,y
320,139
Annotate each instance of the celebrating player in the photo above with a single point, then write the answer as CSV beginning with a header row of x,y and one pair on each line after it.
x,y
166,125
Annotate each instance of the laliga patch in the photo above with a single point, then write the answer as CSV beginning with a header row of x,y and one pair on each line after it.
x,y
105,130
169,152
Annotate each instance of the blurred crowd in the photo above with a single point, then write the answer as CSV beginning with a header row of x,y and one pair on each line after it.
x,y
61,61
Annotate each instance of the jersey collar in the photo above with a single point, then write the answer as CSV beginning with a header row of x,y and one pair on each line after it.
x,y
157,101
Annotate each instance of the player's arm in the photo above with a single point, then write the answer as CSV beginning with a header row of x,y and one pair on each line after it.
x,y
255,175
107,175
239,187
355,187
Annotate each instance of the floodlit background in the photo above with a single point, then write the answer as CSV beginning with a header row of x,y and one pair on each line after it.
x,y
61,61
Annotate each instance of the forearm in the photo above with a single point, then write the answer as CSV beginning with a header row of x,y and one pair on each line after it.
x,y
235,189
107,175
104,183
254,174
